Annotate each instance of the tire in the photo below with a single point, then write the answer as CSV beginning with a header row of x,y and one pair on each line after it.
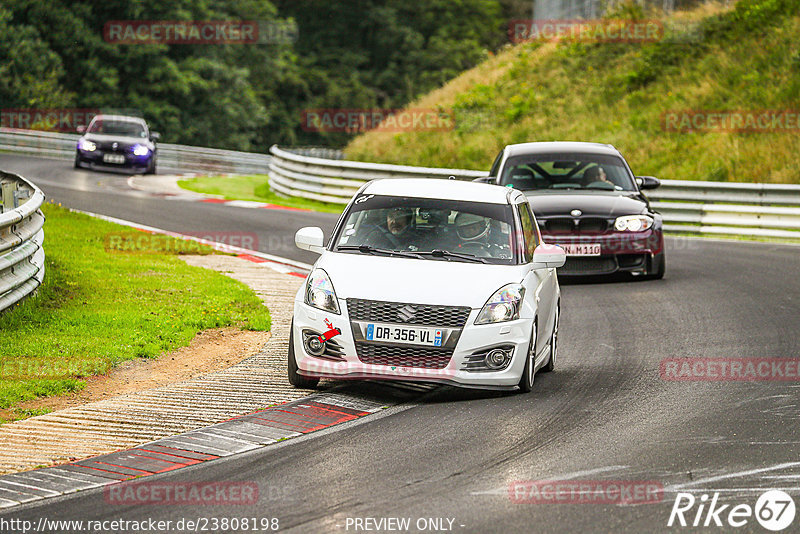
x,y
296,379
551,362
77,161
151,169
659,267
526,380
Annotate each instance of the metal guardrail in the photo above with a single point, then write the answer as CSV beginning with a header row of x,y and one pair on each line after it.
x,y
754,210
172,158
336,181
21,239
720,208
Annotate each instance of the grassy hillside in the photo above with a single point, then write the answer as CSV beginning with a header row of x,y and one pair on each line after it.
x,y
744,58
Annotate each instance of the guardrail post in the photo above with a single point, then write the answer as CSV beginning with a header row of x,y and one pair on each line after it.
x,y
9,195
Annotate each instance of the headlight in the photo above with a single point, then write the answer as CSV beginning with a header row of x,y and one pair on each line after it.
x,y
86,146
320,293
633,223
503,306
140,150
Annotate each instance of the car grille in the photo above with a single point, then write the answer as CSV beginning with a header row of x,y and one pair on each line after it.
x,y
106,146
424,357
594,265
593,224
400,312
559,225
566,225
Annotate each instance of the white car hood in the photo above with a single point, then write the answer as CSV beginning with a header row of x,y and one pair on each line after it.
x,y
427,281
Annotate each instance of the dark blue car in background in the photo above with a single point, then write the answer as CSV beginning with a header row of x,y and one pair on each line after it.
x,y
117,141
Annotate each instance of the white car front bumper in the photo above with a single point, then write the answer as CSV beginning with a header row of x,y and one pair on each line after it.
x,y
344,361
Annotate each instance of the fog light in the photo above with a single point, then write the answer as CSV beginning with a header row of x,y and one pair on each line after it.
x,y
314,346
496,359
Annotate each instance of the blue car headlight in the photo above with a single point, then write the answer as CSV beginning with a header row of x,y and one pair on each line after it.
x,y
140,150
86,145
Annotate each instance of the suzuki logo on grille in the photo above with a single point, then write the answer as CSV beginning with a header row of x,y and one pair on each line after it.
x,y
406,313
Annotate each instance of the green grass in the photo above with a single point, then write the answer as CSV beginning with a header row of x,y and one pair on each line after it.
x,y
252,188
99,307
746,58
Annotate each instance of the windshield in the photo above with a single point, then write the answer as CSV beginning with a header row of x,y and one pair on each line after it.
x,y
426,228
595,172
124,128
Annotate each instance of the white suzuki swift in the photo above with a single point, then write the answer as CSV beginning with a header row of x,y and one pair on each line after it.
x,y
429,280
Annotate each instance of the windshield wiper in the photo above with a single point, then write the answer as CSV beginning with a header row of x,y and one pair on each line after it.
x,y
366,249
438,253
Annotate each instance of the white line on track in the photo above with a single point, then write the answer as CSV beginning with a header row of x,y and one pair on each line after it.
x,y
737,474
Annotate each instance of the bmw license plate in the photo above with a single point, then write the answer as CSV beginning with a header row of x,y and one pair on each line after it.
x,y
590,249
113,158
408,335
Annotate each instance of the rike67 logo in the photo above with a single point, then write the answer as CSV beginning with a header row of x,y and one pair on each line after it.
x,y
774,510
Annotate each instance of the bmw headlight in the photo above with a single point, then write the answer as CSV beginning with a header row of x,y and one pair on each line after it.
x,y
633,223
503,306
86,145
140,150
320,293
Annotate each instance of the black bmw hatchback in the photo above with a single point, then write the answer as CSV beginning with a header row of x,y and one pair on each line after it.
x,y
587,200
118,142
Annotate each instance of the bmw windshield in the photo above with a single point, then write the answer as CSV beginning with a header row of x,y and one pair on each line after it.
x,y
423,228
591,172
115,127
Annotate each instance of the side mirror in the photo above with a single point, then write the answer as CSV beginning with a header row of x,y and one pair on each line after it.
x,y
310,238
546,256
484,179
648,182
81,129
155,136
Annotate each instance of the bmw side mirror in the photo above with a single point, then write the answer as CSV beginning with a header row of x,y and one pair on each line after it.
x,y
547,256
155,136
648,182
81,129
310,238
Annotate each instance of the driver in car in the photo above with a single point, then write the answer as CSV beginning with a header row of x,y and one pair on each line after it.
x,y
478,236
401,234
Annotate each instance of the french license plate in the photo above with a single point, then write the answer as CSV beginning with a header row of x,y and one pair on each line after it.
x,y
592,249
113,158
409,335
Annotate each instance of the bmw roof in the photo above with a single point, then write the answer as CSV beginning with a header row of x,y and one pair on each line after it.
x,y
119,118
440,188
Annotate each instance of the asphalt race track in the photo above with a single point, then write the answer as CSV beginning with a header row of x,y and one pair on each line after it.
x,y
605,414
